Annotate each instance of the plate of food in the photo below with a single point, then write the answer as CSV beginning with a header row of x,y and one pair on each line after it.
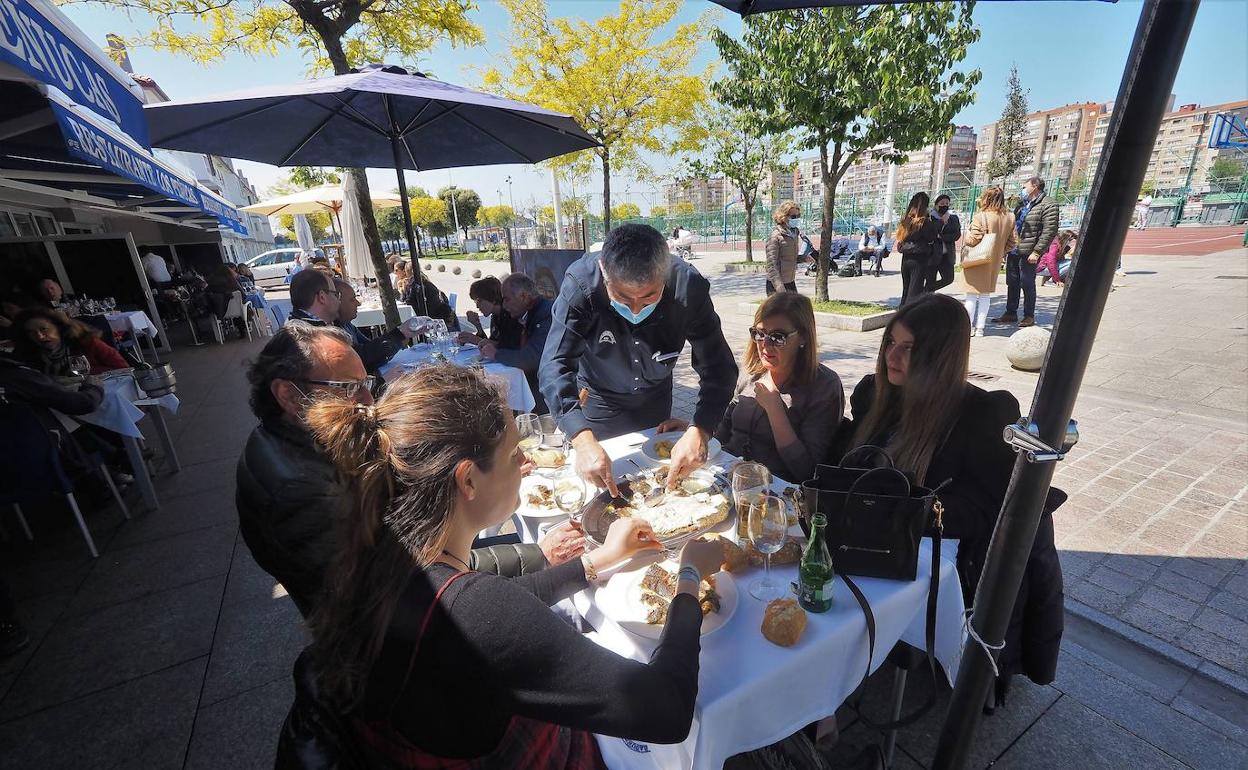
x,y
638,600
659,448
537,498
700,504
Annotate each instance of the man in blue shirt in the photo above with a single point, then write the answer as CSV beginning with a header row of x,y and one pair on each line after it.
x,y
618,326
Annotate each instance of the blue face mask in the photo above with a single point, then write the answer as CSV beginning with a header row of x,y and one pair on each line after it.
x,y
795,223
628,315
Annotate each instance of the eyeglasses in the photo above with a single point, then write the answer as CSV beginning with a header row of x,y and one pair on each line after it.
x,y
349,388
776,339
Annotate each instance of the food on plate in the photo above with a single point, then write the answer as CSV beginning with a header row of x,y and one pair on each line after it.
x,y
692,506
735,558
663,449
791,553
548,458
783,622
540,496
658,587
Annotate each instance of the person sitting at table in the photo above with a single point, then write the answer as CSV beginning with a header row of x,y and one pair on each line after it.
x,y
222,283
522,302
435,304
505,331
288,493
428,662
48,339
50,294
946,433
245,279
787,407
373,351
157,269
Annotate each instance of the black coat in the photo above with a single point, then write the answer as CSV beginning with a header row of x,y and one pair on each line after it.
x,y
978,465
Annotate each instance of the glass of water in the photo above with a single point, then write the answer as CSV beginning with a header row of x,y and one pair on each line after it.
x,y
769,528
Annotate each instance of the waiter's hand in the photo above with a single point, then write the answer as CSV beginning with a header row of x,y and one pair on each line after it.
x,y
688,455
592,463
672,424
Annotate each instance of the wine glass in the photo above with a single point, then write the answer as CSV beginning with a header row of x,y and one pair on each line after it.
x,y
530,429
769,528
79,365
749,482
570,493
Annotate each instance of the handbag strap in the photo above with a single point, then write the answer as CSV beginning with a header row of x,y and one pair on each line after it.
x,y
929,634
868,450
890,473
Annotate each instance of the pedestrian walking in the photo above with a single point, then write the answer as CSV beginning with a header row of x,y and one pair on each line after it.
x,y
991,234
1035,222
1142,206
916,240
941,274
782,248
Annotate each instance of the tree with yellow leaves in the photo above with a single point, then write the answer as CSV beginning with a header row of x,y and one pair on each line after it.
x,y
625,80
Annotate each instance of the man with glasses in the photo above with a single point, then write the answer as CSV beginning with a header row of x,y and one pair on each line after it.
x,y
320,299
618,327
288,491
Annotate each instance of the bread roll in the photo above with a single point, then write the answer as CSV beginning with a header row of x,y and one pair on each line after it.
x,y
791,553
783,622
735,558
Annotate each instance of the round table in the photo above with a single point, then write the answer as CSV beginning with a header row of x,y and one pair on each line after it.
x,y
516,385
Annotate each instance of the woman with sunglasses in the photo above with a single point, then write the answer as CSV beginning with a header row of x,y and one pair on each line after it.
x,y
787,406
945,432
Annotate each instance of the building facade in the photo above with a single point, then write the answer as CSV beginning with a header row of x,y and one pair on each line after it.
x,y
1058,140
702,194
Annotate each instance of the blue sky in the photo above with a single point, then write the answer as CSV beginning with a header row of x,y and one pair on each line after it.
x,y
1065,51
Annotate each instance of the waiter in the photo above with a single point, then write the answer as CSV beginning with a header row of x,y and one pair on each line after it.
x,y
617,328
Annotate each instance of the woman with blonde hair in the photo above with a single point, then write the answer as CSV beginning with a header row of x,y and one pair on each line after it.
x,y
428,663
787,406
991,220
781,248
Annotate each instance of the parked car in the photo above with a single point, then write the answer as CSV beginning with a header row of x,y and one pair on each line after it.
x,y
271,268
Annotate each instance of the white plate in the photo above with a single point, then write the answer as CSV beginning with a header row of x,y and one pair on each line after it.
x,y
713,447
620,600
527,483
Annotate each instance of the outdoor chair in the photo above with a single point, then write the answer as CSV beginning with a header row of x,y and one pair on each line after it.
x,y
30,468
235,310
126,343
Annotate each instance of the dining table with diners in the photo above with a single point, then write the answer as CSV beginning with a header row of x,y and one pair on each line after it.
x,y
442,347
758,684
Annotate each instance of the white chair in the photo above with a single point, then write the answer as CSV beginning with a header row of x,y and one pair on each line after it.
x,y
233,311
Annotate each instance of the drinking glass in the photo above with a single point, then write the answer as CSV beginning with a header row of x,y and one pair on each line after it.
x,y
79,365
749,482
570,493
530,429
769,528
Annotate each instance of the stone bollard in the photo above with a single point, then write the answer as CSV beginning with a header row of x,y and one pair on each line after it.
x,y
456,270
1027,347
476,273
441,268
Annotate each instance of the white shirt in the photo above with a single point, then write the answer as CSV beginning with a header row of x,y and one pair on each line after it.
x,y
155,267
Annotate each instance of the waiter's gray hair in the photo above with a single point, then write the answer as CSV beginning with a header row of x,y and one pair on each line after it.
x,y
519,282
636,255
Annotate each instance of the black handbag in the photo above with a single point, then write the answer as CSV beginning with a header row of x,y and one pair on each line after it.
x,y
876,518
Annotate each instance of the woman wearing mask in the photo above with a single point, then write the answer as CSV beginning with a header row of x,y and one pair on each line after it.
x,y
48,339
787,407
991,218
949,230
782,248
916,237
919,407
433,664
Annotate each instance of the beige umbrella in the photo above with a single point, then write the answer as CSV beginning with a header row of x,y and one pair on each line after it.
x,y
327,198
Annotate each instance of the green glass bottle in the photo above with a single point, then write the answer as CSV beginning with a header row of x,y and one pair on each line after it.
x,y
816,573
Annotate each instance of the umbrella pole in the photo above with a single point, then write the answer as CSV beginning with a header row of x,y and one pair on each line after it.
x,y
1156,52
407,227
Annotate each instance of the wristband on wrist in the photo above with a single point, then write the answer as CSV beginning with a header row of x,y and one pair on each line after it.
x,y
591,572
689,572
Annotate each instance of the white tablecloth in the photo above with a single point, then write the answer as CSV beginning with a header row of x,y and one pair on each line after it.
x,y
131,321
752,693
373,316
519,394
120,412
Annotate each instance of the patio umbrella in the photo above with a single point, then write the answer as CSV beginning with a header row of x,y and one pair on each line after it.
x,y
354,247
376,117
303,234
326,198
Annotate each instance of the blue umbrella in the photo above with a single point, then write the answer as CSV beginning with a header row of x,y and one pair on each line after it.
x,y
378,116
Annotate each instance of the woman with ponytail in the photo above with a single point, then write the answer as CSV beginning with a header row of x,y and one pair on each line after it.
x,y
946,433
427,663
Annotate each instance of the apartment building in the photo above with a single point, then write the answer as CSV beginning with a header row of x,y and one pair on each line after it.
x,y
1058,139
703,194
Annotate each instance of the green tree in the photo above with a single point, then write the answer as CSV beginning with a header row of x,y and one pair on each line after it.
x,y
850,79
1078,184
684,209
467,204
738,150
658,211
333,35
496,216
1010,151
302,178
429,214
1226,174
625,210
305,177
390,221
625,82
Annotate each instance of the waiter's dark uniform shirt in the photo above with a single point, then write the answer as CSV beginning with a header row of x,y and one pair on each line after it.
x,y
626,368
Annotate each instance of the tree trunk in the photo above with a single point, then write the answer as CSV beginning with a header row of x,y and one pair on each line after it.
x,y
606,192
749,231
825,232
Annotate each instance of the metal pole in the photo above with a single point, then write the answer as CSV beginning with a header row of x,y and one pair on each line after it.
x,y
407,221
554,186
1156,52
455,211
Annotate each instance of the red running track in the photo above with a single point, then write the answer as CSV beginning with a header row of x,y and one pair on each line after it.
x,y
1185,241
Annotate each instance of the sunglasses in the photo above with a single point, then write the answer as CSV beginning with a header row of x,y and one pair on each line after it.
x,y
348,388
776,339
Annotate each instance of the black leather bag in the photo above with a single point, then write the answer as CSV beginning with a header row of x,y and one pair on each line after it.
x,y
876,516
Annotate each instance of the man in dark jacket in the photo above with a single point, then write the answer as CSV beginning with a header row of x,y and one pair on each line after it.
x,y
288,491
522,301
320,299
941,272
1035,221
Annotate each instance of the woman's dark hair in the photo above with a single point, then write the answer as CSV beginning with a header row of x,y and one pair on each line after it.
x,y
925,409
288,355
488,288
75,334
941,197
915,217
398,458
1063,241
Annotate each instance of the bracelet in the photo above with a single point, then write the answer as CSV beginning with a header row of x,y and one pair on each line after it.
x,y
689,572
591,572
